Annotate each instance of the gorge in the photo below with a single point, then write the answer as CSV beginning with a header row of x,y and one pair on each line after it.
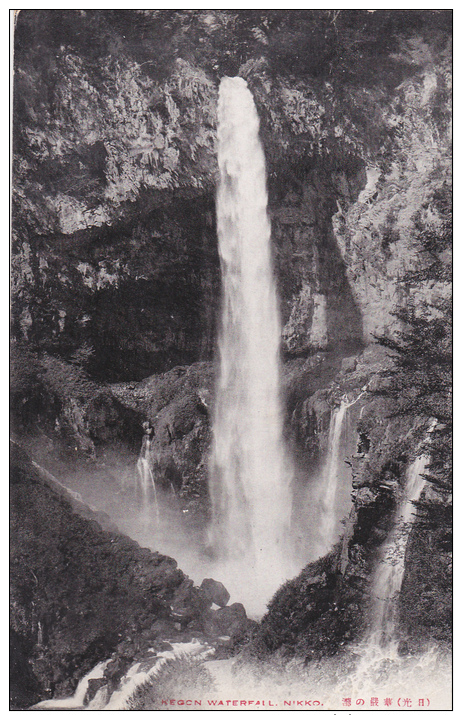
x,y
301,411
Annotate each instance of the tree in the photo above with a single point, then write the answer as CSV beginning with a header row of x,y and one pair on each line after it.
x,y
421,379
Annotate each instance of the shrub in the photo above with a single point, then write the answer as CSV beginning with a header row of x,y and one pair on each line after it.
x,y
182,675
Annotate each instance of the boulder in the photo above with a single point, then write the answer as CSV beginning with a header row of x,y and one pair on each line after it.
x,y
115,670
215,591
189,602
231,620
349,364
94,684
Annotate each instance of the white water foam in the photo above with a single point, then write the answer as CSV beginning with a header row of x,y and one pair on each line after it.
x,y
250,475
390,571
76,701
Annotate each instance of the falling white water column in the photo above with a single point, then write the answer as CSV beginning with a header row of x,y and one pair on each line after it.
x,y
332,480
250,482
329,484
390,572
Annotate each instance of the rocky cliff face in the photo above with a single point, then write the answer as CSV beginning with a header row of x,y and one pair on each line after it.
x,y
329,605
114,227
115,168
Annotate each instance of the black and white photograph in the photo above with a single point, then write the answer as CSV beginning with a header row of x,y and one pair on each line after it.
x,y
231,360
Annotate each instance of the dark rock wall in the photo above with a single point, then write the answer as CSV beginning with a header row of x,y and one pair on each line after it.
x,y
317,305
114,242
140,297
160,309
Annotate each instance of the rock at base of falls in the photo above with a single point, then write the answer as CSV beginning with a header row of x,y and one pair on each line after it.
x,y
94,685
231,620
215,590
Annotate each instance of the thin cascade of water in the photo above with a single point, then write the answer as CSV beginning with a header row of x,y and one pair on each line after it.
x,y
390,571
250,480
76,701
329,519
148,489
146,484
329,477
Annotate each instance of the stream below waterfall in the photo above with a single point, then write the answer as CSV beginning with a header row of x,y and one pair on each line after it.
x,y
364,675
369,673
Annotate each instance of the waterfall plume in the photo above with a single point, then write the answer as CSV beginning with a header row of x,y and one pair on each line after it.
x,y
250,478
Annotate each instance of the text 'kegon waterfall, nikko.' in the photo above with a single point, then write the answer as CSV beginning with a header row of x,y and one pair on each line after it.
x,y
250,480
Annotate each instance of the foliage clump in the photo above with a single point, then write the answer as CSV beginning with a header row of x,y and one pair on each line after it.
x,y
313,615
420,384
182,674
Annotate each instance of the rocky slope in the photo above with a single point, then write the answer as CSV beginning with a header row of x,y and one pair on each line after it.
x,y
82,593
329,605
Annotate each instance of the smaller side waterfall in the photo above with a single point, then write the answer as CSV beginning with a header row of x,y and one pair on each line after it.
x,y
329,478
333,477
390,572
76,701
146,485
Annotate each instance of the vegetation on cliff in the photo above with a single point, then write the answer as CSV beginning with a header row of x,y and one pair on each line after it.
x,y
421,385
407,412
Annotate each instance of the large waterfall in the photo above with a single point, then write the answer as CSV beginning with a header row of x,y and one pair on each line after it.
x,y
250,481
